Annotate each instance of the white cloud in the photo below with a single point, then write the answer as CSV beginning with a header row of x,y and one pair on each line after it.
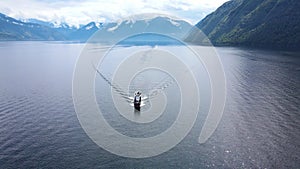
x,y
77,12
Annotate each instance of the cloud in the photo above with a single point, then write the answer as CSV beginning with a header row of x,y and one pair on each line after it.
x,y
75,12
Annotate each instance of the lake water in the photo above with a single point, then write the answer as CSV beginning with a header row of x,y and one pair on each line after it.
x,y
260,127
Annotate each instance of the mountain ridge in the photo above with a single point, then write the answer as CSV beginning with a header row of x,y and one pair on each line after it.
x,y
12,29
254,23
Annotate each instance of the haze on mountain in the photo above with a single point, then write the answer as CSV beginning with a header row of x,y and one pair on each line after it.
x,y
12,29
32,29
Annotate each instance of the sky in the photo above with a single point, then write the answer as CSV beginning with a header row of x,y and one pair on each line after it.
x,y
76,12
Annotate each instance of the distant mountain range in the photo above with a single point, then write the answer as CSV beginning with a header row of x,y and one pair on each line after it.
x,y
164,25
257,23
12,29
32,29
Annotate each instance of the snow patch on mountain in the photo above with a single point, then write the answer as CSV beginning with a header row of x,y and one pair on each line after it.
x,y
114,28
173,22
89,27
17,23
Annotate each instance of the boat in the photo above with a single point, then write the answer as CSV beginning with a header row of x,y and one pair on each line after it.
x,y
137,100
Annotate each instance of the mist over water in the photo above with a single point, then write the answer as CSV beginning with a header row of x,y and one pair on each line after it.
x,y
260,127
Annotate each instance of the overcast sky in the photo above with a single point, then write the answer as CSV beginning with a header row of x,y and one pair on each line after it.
x,y
75,12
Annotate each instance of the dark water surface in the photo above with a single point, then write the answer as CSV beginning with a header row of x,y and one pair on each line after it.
x,y
260,127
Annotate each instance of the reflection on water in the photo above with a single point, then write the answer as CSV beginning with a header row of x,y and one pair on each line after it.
x,y
39,128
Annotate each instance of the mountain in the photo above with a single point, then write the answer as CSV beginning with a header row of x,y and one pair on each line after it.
x,y
84,32
12,29
39,22
114,31
63,28
33,29
256,23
